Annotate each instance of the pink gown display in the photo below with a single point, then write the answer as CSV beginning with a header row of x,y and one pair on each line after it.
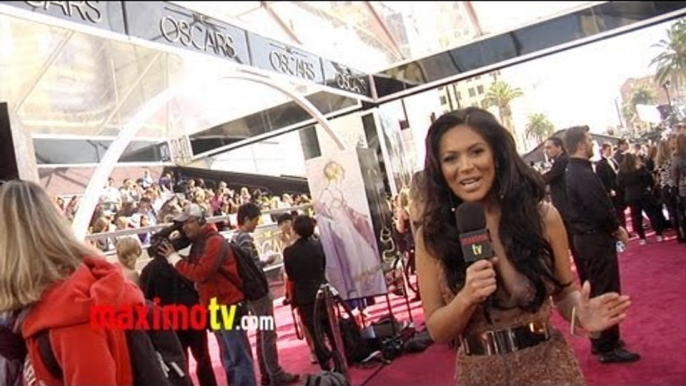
x,y
353,265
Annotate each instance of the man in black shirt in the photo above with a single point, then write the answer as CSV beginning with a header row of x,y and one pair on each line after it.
x,y
607,169
160,279
596,229
305,264
555,178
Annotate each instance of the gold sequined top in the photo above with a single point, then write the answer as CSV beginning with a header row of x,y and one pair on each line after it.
x,y
550,363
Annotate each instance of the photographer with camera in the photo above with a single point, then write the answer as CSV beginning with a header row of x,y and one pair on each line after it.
x,y
161,280
214,270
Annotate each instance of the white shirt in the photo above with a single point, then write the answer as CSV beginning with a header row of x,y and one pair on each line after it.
x,y
111,194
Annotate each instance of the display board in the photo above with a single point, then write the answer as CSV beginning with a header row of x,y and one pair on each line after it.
x,y
353,262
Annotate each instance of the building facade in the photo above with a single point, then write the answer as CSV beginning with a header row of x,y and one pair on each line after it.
x,y
467,93
648,82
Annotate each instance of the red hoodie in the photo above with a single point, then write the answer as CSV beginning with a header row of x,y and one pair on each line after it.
x,y
86,356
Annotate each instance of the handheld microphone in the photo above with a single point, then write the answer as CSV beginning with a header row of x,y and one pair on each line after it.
x,y
475,240
474,237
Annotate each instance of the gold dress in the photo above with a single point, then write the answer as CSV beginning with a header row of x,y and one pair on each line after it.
x,y
549,363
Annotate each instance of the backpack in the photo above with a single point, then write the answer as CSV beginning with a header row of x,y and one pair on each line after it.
x,y
420,342
388,327
326,378
254,283
157,357
390,336
12,350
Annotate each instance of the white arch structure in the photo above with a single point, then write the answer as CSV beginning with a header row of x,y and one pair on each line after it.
x,y
129,132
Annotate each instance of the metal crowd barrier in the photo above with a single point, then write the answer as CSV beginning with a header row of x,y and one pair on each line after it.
x,y
214,219
329,294
266,237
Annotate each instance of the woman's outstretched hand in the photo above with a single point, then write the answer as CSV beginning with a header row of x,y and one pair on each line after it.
x,y
601,312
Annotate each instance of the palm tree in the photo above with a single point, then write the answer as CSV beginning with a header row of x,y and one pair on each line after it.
x,y
642,96
671,62
539,127
500,94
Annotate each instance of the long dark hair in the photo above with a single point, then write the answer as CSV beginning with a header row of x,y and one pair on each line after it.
x,y
630,164
517,189
681,145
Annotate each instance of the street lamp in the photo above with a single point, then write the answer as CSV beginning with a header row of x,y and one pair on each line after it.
x,y
672,114
619,115
666,87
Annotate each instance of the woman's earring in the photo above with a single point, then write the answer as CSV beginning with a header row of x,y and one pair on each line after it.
x,y
453,207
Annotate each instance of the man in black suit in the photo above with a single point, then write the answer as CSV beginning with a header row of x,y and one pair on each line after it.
x,y
622,148
596,231
305,265
607,169
556,179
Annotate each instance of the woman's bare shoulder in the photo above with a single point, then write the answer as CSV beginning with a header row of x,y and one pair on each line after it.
x,y
549,213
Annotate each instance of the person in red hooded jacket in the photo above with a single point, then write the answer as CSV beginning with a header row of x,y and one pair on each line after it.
x,y
214,270
55,280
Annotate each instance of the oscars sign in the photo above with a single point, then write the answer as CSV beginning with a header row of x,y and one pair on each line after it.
x,y
197,33
181,151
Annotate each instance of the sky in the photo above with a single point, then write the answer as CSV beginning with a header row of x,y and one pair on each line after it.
x,y
500,16
573,87
580,86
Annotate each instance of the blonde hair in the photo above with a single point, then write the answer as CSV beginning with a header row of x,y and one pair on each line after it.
x,y
404,198
128,252
333,171
122,223
199,196
416,196
664,152
101,225
37,245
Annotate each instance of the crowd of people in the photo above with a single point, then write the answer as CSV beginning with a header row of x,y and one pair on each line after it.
x,y
497,309
49,264
647,178
144,203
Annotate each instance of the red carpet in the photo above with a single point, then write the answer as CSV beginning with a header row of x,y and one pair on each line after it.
x,y
653,275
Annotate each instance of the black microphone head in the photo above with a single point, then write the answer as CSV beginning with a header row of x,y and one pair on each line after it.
x,y
470,216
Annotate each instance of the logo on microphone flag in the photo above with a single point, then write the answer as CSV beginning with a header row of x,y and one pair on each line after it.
x,y
477,249
476,245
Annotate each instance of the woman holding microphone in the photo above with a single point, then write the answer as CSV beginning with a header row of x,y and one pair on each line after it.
x,y
508,339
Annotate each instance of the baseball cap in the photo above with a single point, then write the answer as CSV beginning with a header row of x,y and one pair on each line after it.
x,y
192,210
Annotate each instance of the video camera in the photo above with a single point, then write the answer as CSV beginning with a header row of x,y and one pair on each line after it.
x,y
165,234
